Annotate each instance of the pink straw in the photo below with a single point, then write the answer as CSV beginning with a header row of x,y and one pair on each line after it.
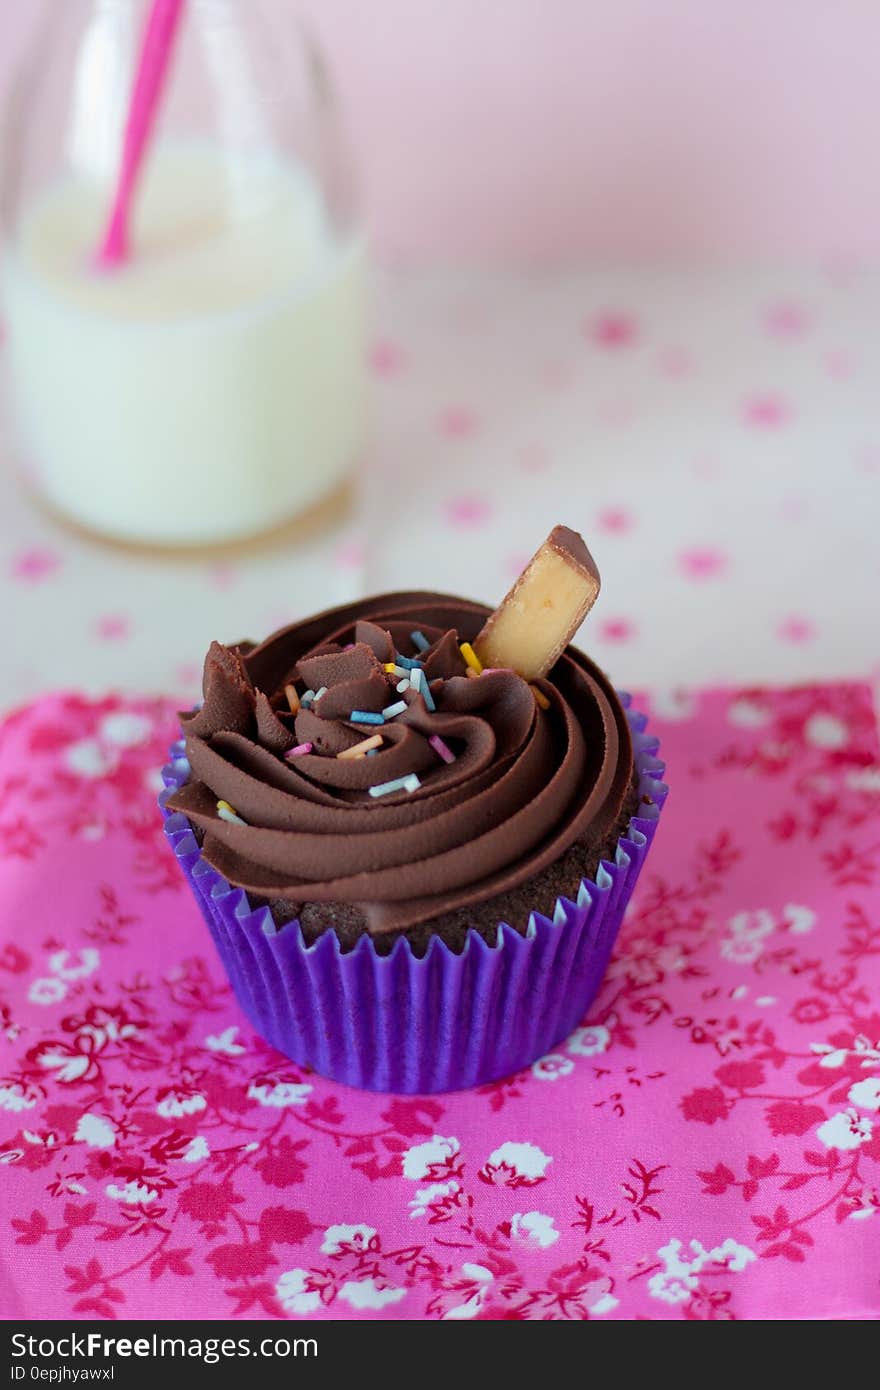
x,y
156,47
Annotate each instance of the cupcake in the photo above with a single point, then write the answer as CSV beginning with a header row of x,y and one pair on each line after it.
x,y
413,825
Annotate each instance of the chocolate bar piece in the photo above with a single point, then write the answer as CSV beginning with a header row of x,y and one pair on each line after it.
x,y
535,622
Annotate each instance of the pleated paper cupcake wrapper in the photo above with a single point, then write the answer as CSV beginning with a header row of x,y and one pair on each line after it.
x,y
439,1022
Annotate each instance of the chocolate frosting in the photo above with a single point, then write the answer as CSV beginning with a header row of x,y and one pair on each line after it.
x,y
526,783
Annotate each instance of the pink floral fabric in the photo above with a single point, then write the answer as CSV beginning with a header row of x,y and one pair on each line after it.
x,y
706,1145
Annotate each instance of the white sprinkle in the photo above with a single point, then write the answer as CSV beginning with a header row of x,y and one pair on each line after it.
x,y
391,710
415,678
411,782
402,686
225,812
319,693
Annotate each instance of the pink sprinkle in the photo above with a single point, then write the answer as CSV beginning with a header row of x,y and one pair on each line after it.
x,y
439,747
613,330
299,750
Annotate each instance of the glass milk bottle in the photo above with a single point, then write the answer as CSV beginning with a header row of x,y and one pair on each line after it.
x,y
209,386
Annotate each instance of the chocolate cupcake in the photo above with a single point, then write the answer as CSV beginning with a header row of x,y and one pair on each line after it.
x,y
413,865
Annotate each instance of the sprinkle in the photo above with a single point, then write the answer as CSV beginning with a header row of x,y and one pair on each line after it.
x,y
496,670
540,698
390,667
371,752
319,693
410,783
419,640
298,751
364,716
307,699
471,658
229,813
409,663
292,698
402,686
441,748
391,710
366,745
471,674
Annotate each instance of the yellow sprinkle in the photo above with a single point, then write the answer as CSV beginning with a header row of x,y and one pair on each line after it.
x,y
360,750
229,813
471,674
390,667
471,658
540,698
292,699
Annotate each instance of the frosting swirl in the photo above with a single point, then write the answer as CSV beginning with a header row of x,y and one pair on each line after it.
x,y
524,786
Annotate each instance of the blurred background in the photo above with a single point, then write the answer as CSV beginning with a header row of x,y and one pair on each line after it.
x,y
622,274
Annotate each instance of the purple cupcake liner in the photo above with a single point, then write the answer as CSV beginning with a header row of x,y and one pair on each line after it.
x,y
439,1022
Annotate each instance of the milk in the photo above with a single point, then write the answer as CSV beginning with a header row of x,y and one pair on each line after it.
x,y
211,388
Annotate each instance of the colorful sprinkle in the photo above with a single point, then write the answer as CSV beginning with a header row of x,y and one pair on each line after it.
x,y
409,783
540,698
419,640
229,813
292,698
372,752
402,686
319,693
471,658
366,745
298,751
391,710
471,674
420,683
390,668
442,749
409,663
306,700
364,716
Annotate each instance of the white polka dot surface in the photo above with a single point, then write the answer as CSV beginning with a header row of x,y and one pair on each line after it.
x,y
715,436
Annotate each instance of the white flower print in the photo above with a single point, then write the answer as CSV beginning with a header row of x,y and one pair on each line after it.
x,y
196,1150
225,1042
367,1293
47,991
280,1093
826,731
846,1130
866,1093
88,759
733,1256
868,1202
747,714
479,1278
551,1067
864,779
294,1295
752,925
799,918
353,1240
124,729
132,1194
429,1159
427,1196
742,950
534,1228
95,1131
176,1103
61,963
524,1163
14,1096
672,1286
679,1277
589,1041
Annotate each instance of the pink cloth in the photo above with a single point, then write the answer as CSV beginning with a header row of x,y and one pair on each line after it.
x,y
707,1144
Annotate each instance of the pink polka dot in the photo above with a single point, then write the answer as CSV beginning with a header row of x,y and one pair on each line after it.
x,y
766,411
113,627
457,422
675,362
468,510
839,364
785,320
616,630
350,554
614,521
385,358
612,330
796,629
30,566
222,575
702,562
533,458
557,375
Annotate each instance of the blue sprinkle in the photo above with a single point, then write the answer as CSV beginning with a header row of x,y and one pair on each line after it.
x,y
307,699
408,663
372,752
410,784
419,640
363,716
420,683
